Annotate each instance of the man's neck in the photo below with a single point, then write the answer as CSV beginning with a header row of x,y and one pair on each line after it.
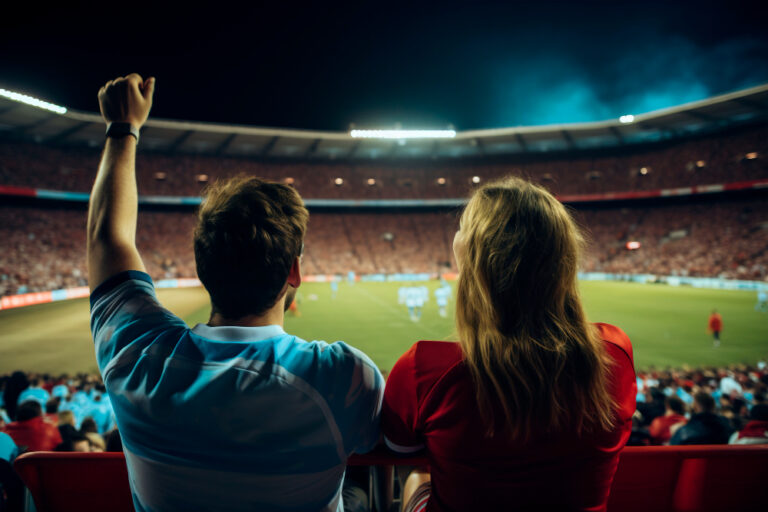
x,y
273,316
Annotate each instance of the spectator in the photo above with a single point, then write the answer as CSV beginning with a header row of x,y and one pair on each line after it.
x,y
704,427
756,430
73,440
66,418
532,390
652,408
235,414
674,414
8,449
35,392
17,383
114,443
30,431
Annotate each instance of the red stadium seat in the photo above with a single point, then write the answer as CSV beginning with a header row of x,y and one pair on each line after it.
x,y
63,482
715,478
645,479
649,479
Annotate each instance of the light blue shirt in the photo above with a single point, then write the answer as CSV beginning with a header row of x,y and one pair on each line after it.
x,y
39,395
8,449
229,418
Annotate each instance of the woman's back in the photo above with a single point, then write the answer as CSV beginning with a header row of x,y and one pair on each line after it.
x,y
430,402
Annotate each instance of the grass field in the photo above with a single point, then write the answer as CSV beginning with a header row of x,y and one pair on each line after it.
x,y
667,325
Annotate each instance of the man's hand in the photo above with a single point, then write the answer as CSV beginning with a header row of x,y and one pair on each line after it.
x,y
127,100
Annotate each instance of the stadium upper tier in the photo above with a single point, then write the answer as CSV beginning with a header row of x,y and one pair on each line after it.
x,y
738,155
23,117
45,249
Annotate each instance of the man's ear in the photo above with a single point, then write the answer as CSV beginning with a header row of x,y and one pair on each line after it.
x,y
294,276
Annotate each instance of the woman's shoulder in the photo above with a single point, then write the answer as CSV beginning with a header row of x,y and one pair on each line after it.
x,y
428,359
615,338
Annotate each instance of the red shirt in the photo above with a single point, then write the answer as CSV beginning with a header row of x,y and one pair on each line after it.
x,y
715,322
36,434
659,429
429,402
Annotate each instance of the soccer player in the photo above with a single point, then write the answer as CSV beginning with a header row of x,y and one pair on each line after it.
x,y
235,414
715,326
442,295
762,300
334,287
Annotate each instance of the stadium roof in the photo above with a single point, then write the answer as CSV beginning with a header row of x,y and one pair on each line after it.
x,y
76,128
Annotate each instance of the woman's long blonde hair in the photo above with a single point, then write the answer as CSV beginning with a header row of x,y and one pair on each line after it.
x,y
526,341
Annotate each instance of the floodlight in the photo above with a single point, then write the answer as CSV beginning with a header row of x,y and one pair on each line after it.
x,y
633,245
751,156
441,181
338,181
29,100
627,118
403,134
475,179
371,181
643,171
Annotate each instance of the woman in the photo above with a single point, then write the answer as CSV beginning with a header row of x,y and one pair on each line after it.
x,y
531,408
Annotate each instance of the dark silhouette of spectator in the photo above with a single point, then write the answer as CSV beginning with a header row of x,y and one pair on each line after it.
x,y
660,427
756,429
704,427
17,383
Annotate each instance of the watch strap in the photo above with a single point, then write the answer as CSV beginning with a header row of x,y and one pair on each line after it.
x,y
119,129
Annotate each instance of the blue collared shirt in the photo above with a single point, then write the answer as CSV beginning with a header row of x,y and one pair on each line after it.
x,y
229,418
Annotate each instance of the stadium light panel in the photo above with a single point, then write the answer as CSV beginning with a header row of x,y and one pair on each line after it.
x,y
29,100
403,134
627,119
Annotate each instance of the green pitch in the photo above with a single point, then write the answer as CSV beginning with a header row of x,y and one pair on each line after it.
x,y
668,326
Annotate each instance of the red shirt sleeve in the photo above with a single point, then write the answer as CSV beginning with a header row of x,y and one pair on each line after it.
x,y
400,411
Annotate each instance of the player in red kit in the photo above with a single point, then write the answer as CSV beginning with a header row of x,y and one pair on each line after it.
x,y
715,326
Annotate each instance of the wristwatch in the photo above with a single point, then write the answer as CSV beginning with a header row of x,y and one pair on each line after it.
x,y
121,130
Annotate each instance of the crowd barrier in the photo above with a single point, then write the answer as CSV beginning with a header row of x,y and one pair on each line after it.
x,y
659,479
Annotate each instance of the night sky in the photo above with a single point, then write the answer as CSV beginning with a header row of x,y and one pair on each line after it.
x,y
421,64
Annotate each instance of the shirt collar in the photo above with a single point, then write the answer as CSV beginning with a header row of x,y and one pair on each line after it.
x,y
237,333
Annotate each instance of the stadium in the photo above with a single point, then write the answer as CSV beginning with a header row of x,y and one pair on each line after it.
x,y
672,204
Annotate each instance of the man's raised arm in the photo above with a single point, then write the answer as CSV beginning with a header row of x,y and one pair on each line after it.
x,y
113,206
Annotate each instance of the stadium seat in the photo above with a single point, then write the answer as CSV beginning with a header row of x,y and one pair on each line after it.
x,y
645,479
716,478
63,482
649,479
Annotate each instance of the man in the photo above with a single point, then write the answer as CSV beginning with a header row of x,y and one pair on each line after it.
x,y
660,429
235,414
715,326
756,431
35,392
704,427
30,431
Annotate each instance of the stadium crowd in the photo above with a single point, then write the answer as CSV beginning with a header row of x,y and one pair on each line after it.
x,y
726,239
727,405
722,158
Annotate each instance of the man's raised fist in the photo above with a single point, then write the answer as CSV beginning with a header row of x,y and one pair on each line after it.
x,y
127,100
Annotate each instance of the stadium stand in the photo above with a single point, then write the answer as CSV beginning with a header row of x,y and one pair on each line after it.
x,y
720,158
714,238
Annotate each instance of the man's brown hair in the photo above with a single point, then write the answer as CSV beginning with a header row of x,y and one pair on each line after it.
x,y
249,233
